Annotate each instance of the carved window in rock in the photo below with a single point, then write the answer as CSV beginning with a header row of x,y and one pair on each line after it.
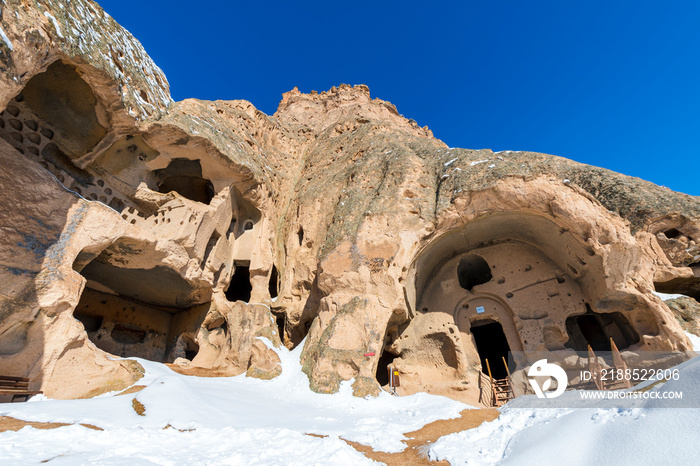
x,y
184,177
473,270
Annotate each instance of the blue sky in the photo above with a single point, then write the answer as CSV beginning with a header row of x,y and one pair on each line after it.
x,y
613,84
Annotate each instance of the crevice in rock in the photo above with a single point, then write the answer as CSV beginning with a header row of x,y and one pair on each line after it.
x,y
686,286
300,236
281,321
211,244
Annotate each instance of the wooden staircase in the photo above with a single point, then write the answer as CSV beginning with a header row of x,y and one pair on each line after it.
x,y
502,391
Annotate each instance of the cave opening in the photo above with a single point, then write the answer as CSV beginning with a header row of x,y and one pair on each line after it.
x,y
184,177
92,323
492,346
123,326
191,347
130,312
281,321
54,120
240,288
385,360
473,270
596,329
273,285
56,105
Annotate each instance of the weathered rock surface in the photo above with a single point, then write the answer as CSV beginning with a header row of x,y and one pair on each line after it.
x,y
687,312
189,232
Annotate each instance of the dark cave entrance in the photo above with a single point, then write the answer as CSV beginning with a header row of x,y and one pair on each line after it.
x,y
281,321
492,345
191,347
383,367
273,286
240,288
596,329
592,331
121,325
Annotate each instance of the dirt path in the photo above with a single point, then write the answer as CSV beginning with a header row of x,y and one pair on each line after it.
x,y
200,371
415,454
10,423
419,441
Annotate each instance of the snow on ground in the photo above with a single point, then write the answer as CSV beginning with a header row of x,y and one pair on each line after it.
x,y
651,434
695,340
236,420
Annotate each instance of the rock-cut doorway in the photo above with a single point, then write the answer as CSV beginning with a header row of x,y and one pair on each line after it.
x,y
492,345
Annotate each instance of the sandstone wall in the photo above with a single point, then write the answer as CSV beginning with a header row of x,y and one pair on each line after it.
x,y
186,232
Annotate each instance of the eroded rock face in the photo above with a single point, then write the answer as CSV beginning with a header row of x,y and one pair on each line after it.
x,y
199,233
687,311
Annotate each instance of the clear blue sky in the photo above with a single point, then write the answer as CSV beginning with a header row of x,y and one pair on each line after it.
x,y
614,84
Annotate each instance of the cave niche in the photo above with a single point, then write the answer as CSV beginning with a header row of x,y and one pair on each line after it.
x,y
597,329
133,312
184,177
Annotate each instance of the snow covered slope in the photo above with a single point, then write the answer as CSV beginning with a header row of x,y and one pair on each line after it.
x,y
235,420
540,436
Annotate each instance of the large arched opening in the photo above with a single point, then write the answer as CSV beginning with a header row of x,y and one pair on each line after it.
x,y
137,311
520,283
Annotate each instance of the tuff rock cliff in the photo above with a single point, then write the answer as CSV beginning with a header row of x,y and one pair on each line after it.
x,y
198,233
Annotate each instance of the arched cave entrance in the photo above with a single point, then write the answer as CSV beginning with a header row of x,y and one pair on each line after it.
x,y
191,348
520,282
492,346
135,312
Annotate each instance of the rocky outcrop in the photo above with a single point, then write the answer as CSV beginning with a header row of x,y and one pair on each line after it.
x,y
200,233
687,312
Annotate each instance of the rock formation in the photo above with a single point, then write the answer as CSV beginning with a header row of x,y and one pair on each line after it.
x,y
687,312
188,232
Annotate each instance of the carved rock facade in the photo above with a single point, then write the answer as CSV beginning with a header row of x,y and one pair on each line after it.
x,y
186,232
